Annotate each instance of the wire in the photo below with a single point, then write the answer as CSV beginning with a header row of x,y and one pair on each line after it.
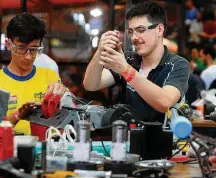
x,y
99,138
178,151
67,131
175,143
62,143
105,148
110,126
178,110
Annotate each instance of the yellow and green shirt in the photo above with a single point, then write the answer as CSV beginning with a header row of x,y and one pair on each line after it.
x,y
26,88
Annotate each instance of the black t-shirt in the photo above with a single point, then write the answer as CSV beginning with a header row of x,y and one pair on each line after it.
x,y
172,70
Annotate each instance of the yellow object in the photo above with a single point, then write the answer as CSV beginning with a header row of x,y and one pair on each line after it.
x,y
26,88
181,144
59,174
169,112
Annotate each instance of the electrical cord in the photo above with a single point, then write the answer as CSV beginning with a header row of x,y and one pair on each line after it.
x,y
102,143
64,138
99,138
178,151
175,143
105,148
178,110
67,133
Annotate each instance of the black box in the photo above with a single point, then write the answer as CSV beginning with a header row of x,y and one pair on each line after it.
x,y
151,142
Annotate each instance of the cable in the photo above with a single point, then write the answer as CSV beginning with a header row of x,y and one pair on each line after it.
x,y
105,148
62,143
178,110
67,130
178,151
175,143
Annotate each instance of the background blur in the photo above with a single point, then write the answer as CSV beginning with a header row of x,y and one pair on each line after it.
x,y
75,26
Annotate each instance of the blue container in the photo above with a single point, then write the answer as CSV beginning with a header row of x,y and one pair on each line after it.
x,y
181,127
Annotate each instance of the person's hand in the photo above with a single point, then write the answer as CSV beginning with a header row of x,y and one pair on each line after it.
x,y
109,39
26,109
56,88
114,59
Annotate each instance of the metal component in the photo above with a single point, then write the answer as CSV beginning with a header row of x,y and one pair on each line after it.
x,y
119,131
155,164
206,148
44,156
119,137
85,173
82,145
83,132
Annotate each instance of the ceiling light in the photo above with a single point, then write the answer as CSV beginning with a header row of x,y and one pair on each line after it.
x,y
96,12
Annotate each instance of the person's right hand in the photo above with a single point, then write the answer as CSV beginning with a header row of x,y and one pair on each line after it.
x,y
110,39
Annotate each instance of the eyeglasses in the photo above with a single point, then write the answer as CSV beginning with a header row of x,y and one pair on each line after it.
x,y
22,51
140,30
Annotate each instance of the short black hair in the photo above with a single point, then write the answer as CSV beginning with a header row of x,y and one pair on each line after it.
x,y
155,13
26,28
209,50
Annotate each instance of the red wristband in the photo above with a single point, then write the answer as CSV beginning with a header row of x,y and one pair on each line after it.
x,y
131,75
126,72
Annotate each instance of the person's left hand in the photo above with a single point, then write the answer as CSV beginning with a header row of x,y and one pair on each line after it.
x,y
114,59
56,88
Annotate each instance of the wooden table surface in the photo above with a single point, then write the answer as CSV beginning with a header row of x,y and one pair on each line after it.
x,y
185,171
204,123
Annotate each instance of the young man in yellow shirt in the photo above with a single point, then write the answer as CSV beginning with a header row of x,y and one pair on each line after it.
x,y
26,83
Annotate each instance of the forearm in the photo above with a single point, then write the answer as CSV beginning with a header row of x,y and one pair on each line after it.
x,y
204,35
155,96
92,79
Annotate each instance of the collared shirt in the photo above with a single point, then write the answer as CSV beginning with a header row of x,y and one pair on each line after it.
x,y
172,70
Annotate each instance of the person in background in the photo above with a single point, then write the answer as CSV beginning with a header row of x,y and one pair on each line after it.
x,y
197,65
209,74
154,79
208,35
26,83
196,28
191,12
45,61
195,86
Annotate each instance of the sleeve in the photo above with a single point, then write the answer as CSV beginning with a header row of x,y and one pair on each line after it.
x,y
179,76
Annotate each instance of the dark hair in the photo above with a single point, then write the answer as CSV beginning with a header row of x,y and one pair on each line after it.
x,y
153,11
26,28
209,50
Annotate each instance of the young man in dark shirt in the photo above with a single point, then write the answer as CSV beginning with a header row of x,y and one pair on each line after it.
x,y
155,79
